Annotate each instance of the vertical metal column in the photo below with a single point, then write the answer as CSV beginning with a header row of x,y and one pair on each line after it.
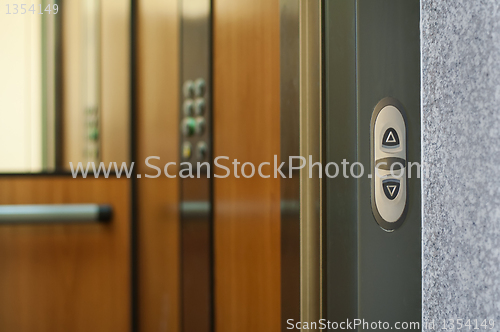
x,y
341,143
301,135
196,154
371,53
290,146
311,142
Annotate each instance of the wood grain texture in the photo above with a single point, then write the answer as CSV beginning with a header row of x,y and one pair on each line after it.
x,y
247,127
157,133
59,278
159,283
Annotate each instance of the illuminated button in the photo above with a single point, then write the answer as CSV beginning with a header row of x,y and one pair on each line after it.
x,y
94,134
188,126
201,150
199,106
186,150
199,87
188,89
188,107
200,126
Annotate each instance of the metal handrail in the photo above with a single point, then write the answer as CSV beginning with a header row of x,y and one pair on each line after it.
x,y
54,213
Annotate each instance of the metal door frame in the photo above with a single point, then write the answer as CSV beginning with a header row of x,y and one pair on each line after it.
x,y
302,113
305,127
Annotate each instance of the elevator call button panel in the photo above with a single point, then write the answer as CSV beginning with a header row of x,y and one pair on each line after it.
x,y
389,188
194,129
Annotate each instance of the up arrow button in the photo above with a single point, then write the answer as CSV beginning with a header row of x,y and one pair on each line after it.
x,y
390,138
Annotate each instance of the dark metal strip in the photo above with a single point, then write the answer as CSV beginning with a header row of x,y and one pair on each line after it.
x,y
290,146
386,163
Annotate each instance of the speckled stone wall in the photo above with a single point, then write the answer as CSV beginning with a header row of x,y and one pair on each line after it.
x,y
461,152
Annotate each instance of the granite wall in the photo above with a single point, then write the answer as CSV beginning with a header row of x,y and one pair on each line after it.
x,y
461,151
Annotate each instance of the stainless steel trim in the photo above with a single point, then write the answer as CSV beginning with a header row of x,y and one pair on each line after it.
x,y
301,134
290,146
196,236
51,89
311,145
196,209
56,213
195,72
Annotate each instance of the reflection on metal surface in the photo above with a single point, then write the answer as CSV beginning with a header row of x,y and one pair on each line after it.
x,y
290,146
195,10
311,144
196,193
196,114
196,209
290,208
51,89
196,254
54,213
91,73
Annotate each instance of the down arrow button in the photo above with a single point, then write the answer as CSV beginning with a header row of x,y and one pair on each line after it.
x,y
391,188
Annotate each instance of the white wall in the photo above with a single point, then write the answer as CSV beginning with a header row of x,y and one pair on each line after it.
x,y
20,91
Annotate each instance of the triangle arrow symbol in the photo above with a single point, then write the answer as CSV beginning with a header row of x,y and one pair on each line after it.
x,y
390,138
391,189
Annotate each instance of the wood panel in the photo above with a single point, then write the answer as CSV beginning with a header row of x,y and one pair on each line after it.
x,y
65,277
247,127
157,133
